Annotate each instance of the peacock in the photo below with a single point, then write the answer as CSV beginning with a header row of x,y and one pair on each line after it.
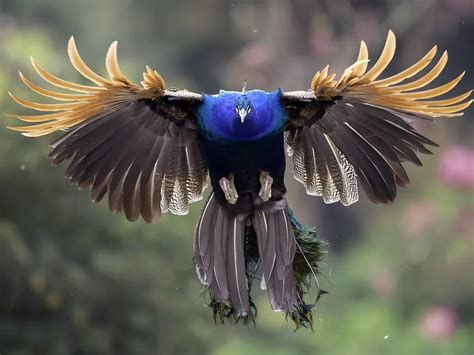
x,y
152,149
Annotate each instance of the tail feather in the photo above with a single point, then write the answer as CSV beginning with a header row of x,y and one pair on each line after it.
x,y
229,247
277,247
204,235
238,286
287,237
221,287
268,251
260,226
219,256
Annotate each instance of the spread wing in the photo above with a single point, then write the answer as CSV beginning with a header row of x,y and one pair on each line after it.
x,y
138,144
359,126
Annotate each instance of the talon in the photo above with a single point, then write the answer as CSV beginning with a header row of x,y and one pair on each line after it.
x,y
266,182
229,189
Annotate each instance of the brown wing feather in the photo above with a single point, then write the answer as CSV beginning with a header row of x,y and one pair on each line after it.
x,y
359,125
133,142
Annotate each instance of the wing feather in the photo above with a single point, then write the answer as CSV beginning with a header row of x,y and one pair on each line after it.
x,y
138,144
384,93
359,126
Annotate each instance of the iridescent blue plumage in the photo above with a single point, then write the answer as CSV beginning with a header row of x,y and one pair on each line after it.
x,y
218,115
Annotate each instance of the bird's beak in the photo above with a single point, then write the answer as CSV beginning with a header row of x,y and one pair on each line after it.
x,y
242,114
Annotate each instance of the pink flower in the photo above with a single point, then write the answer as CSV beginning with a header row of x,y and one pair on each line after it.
x,y
438,323
418,217
456,167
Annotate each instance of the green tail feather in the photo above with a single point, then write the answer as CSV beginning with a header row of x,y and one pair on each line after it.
x,y
310,251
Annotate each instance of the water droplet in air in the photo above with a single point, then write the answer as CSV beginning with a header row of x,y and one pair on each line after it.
x,y
385,337
22,167
254,30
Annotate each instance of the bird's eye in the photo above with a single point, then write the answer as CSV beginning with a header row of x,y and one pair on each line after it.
x,y
236,109
249,109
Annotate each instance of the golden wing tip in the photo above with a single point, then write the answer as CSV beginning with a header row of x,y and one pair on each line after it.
x,y
113,46
15,128
111,64
71,44
459,78
112,52
364,85
34,63
16,99
391,38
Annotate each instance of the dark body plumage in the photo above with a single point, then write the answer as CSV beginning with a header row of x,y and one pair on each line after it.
x,y
243,149
150,150
245,161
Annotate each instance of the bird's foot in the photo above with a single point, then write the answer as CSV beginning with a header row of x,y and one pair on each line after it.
x,y
228,187
266,182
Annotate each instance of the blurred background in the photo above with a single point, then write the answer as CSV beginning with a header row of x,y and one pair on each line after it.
x,y
75,279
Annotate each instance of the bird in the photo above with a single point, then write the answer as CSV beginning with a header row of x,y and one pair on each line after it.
x,y
152,149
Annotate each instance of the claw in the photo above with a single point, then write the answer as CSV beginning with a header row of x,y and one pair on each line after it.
x,y
266,182
229,189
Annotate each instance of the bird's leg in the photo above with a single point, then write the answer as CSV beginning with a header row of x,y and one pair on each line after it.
x,y
266,182
228,187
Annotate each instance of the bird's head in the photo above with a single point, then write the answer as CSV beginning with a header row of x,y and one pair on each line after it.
x,y
243,107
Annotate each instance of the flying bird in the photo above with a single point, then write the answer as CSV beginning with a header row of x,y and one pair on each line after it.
x,y
152,149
